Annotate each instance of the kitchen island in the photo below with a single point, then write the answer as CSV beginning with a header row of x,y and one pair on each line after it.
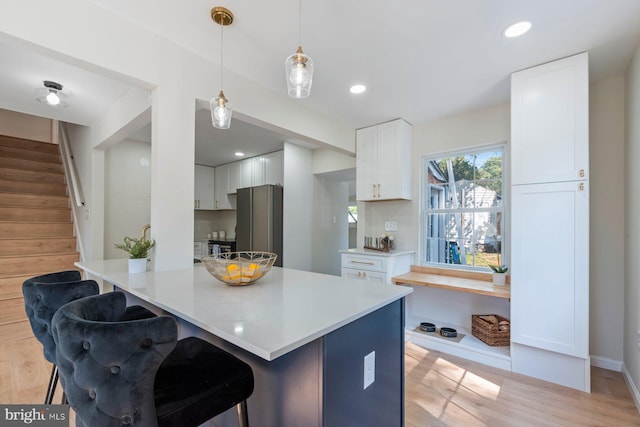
x,y
305,335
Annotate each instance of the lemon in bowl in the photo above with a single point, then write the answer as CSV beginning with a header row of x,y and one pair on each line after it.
x,y
239,268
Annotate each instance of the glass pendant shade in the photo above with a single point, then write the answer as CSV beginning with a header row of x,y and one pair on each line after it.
x,y
220,112
299,74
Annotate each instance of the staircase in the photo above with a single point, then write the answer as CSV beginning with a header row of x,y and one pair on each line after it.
x,y
36,228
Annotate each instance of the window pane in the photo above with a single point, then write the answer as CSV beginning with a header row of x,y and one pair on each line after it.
x,y
488,193
352,214
467,191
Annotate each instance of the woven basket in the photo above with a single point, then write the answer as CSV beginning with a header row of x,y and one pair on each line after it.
x,y
488,332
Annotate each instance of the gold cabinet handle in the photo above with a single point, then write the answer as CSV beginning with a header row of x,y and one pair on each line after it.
x,y
362,262
581,186
581,173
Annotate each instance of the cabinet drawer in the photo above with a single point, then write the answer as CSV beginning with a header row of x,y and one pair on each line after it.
x,y
363,262
374,276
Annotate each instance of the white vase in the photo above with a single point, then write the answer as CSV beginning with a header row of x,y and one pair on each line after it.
x,y
137,265
499,279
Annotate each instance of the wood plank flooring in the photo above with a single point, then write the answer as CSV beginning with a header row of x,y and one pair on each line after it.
x,y
444,390
440,390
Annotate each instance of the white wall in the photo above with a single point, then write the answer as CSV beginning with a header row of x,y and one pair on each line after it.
x,y
25,126
127,193
298,212
209,221
607,185
325,160
330,227
632,230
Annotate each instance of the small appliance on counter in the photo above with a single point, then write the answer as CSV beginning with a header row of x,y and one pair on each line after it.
x,y
221,246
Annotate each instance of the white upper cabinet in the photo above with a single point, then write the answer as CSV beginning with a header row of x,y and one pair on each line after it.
x,y
273,167
550,122
239,175
222,200
259,170
204,187
383,161
267,169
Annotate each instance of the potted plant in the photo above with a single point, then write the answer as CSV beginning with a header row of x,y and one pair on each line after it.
x,y
138,250
499,272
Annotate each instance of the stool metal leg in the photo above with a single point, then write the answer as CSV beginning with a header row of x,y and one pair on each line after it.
x,y
243,417
53,381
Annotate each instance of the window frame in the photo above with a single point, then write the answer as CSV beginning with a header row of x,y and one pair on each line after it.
x,y
425,211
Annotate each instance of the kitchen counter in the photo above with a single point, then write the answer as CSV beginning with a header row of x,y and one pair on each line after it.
x,y
305,335
361,251
283,311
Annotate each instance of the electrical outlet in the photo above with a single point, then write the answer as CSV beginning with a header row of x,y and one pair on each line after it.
x,y
369,369
391,226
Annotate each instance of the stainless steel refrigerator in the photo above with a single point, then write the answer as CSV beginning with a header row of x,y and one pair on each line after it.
x,y
259,220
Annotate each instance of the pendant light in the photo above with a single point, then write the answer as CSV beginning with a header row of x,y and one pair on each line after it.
x,y
220,108
299,69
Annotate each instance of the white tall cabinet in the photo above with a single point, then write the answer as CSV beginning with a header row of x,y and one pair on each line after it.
x,y
550,222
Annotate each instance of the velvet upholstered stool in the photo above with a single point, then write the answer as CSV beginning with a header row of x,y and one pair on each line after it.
x,y
44,295
137,373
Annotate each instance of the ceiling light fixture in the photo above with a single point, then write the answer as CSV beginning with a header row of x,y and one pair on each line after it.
x,y
51,94
517,29
299,69
357,88
220,108
239,153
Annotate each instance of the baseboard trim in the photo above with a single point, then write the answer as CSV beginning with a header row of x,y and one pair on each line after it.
x,y
635,393
606,363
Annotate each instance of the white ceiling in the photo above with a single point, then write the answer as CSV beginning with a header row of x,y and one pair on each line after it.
x,y
421,59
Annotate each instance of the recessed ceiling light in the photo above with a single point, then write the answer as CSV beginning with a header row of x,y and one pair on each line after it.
x,y
517,29
239,154
357,88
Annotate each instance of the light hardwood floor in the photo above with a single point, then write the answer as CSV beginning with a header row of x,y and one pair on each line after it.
x,y
441,390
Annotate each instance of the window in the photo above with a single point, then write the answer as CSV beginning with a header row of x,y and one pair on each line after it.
x,y
463,212
353,214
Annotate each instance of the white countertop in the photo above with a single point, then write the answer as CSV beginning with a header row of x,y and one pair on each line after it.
x,y
284,310
362,251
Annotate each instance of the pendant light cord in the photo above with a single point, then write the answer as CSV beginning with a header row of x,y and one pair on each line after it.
x,y
221,51
300,21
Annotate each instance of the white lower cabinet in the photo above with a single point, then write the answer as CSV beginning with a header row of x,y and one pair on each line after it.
x,y
373,276
550,282
375,267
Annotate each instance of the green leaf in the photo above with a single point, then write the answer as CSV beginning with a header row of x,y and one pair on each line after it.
x,y
136,248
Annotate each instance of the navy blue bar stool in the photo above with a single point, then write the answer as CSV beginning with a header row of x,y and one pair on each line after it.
x,y
137,373
44,295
